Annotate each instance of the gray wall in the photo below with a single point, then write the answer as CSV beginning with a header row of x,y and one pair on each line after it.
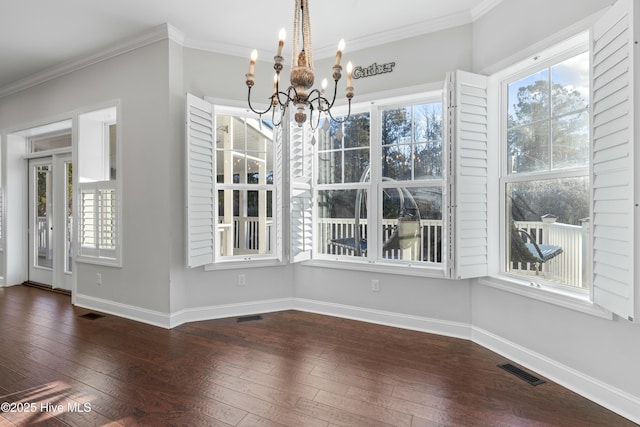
x,y
139,79
151,83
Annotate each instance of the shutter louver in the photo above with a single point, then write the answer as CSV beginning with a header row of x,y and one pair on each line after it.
x,y
613,160
200,136
99,228
301,192
467,124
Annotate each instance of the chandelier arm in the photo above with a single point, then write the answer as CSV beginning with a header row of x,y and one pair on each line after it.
x,y
311,125
273,118
251,106
335,94
321,100
340,121
288,96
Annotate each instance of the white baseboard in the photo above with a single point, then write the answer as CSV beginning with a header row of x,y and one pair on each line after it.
x,y
127,311
229,310
387,318
603,394
610,397
168,321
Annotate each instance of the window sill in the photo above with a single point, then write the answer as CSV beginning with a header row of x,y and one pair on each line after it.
x,y
378,267
547,294
108,262
231,264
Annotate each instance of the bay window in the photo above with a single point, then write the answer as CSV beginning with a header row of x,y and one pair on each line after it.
x,y
233,166
379,185
546,179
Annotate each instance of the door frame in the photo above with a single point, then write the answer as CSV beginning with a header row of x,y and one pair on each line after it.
x,y
59,277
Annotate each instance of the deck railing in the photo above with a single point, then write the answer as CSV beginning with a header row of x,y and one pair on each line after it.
x,y
569,268
245,235
428,249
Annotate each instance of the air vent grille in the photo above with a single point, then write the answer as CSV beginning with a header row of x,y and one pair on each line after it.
x,y
92,316
249,318
523,375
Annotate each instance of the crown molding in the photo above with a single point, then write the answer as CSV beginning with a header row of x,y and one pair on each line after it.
x,y
158,33
483,8
167,31
401,33
372,40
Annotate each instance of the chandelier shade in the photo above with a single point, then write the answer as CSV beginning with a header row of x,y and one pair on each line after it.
x,y
302,77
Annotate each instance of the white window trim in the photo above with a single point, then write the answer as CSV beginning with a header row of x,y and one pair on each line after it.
x,y
498,278
228,107
346,262
116,260
545,293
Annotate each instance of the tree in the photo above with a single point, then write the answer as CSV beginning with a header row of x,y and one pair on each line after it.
x,y
548,130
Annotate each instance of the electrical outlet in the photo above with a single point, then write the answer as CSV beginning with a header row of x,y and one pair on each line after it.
x,y
99,278
375,285
242,280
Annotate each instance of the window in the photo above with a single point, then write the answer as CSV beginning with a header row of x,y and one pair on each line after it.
x,y
567,172
379,192
99,203
245,186
233,172
546,182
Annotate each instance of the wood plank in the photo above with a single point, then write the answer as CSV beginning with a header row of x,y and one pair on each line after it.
x,y
288,369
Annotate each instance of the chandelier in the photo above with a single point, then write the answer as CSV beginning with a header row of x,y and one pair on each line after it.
x,y
299,93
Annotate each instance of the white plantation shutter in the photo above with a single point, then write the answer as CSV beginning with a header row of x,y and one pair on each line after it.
x,y
612,127
200,136
466,136
278,140
301,192
1,218
99,228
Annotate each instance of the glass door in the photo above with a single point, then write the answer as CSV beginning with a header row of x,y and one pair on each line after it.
x,y
51,221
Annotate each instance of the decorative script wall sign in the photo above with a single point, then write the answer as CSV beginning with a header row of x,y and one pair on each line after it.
x,y
373,70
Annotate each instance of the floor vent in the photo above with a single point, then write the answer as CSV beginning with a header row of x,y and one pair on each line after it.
x,y
249,318
92,316
523,375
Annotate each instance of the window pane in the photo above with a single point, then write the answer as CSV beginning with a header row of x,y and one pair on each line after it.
x,y
50,142
427,160
412,224
244,150
397,162
427,157
570,85
342,221
44,218
396,126
528,148
550,214
412,142
528,99
356,131
343,150
570,136
327,138
428,122
245,222
330,167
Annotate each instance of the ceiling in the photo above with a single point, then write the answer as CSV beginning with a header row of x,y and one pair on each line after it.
x,y
36,35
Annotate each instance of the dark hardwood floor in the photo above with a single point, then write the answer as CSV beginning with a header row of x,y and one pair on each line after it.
x,y
287,369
